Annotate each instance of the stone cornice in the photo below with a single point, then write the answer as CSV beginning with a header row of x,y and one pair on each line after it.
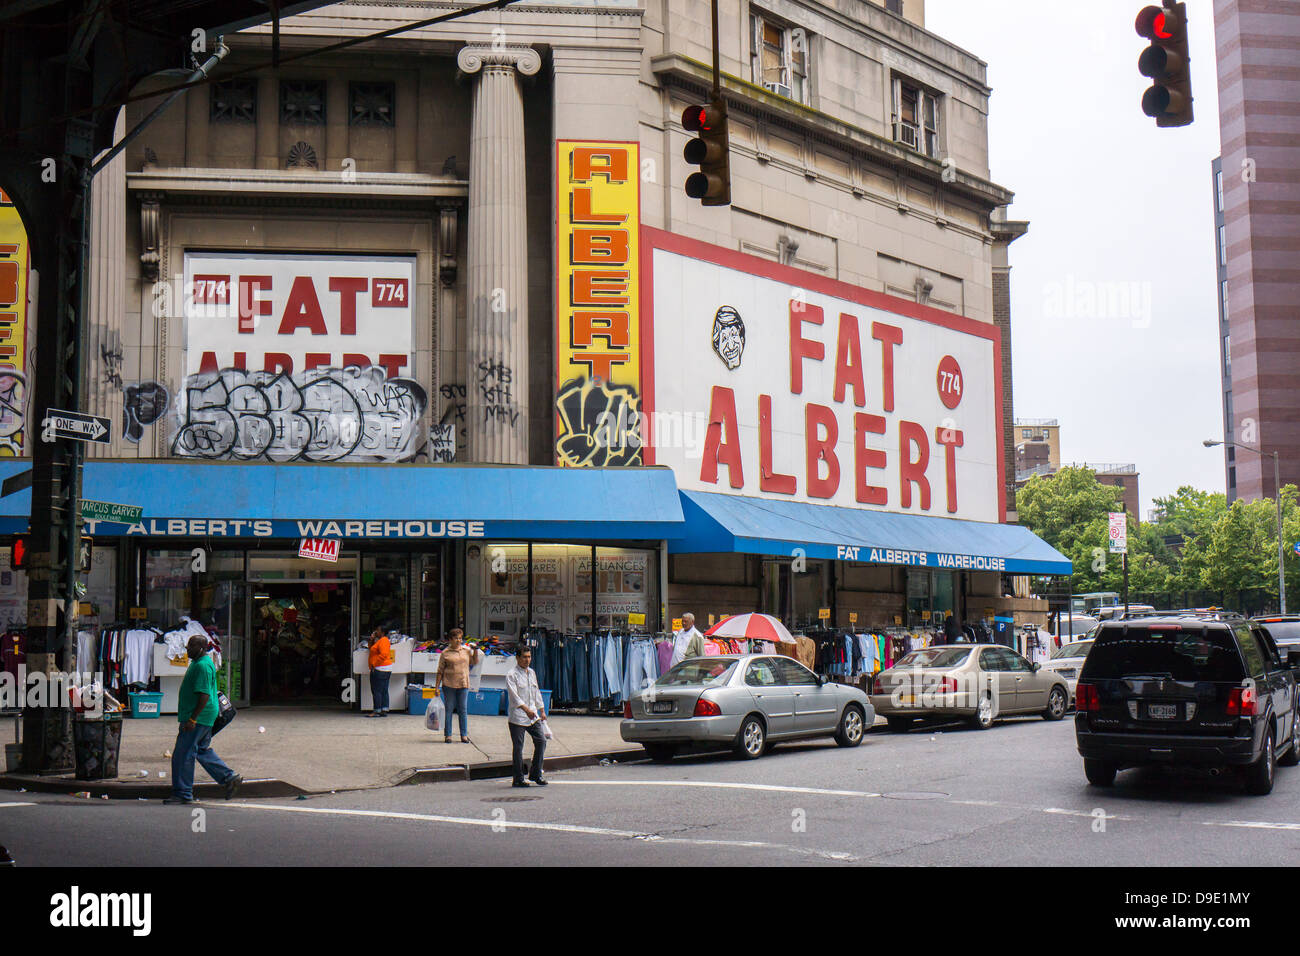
x,y
673,69
298,186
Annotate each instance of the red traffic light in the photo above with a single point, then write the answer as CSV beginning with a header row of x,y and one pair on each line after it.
x,y
18,554
1153,23
700,118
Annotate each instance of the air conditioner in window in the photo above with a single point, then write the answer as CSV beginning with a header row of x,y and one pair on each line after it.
x,y
907,134
780,89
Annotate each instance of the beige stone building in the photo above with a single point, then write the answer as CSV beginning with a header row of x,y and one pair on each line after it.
x,y
415,181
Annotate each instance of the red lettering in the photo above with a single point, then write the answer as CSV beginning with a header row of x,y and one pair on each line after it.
x,y
601,289
316,360
722,441
599,247
817,418
951,440
249,306
768,478
864,458
601,364
913,470
393,364
800,347
357,359
348,288
888,336
302,311
613,328
241,360
277,362
208,363
613,166
580,210
848,361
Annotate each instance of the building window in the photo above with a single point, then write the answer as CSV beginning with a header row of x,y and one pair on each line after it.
x,y
370,104
1223,292
302,103
1227,355
233,101
916,117
894,6
779,57
1232,477
1027,433
1218,187
1223,245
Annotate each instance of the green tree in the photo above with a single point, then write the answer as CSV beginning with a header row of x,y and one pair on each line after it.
x,y
1068,510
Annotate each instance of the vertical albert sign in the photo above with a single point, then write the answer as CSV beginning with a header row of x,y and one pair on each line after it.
x,y
598,328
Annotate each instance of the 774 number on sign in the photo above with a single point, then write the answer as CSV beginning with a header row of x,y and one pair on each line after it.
x,y
949,381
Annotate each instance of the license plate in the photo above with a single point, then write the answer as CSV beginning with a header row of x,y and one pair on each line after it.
x,y
1162,711
661,707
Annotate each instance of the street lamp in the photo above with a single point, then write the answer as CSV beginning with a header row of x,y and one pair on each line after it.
x,y
1277,497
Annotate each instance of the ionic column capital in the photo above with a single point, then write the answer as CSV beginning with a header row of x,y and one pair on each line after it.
x,y
475,57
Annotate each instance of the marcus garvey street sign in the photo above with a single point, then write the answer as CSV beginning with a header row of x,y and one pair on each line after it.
x,y
75,425
107,511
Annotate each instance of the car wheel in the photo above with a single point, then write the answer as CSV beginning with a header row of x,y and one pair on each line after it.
x,y
898,725
660,753
983,718
852,727
1259,776
1055,705
1099,772
1292,756
752,739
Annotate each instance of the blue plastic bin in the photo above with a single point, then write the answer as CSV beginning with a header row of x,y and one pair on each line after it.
x,y
416,702
488,702
146,704
546,701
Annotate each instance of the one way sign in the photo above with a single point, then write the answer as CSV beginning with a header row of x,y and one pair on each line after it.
x,y
75,425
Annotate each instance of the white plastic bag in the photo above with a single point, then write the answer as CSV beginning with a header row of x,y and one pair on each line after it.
x,y
546,730
476,673
435,715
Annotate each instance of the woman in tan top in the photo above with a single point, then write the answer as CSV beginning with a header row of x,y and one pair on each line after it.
x,y
453,681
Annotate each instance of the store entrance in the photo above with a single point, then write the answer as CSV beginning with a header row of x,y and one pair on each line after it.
x,y
301,642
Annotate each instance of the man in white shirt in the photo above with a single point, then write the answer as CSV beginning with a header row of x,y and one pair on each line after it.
x,y
688,642
526,715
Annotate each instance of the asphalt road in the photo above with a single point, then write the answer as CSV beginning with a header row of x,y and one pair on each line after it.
x,y
1013,795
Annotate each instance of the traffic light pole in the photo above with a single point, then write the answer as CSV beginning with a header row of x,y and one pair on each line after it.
x,y
717,70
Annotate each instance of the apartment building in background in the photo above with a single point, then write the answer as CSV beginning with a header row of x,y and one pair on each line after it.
x,y
1038,453
1257,226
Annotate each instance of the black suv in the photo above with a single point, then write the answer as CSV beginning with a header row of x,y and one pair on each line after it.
x,y
1200,689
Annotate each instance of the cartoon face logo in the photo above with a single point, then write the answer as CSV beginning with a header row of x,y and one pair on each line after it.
x,y
728,336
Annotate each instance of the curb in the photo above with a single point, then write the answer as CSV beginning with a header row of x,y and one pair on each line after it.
x,y
126,790
495,769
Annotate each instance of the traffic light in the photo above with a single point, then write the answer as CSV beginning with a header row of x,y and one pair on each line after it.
x,y
1166,62
18,553
712,184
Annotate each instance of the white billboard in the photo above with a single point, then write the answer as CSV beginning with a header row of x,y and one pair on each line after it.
x,y
295,358
775,383
258,311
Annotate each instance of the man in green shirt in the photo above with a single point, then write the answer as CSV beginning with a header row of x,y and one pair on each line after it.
x,y
196,711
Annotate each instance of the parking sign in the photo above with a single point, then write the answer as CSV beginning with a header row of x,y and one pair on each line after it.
x,y
1118,532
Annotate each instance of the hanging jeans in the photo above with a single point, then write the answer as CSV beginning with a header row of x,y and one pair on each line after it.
x,y
194,745
641,670
613,663
596,666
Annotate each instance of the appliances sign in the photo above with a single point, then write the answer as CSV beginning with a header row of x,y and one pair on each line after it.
x,y
775,383
294,313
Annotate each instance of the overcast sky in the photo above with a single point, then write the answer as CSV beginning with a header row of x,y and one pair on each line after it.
x,y
1132,378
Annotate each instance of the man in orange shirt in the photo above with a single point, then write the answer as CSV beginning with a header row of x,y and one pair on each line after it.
x,y
381,671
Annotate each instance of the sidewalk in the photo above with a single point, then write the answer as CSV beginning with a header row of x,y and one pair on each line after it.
x,y
317,751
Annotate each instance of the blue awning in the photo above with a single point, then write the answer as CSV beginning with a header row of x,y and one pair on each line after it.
x,y
733,523
303,500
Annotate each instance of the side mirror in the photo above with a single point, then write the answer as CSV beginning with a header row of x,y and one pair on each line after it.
x,y
1037,667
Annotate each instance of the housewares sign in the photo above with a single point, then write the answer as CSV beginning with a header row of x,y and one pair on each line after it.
x,y
598,328
801,388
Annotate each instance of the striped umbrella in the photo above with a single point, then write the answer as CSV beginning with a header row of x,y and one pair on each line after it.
x,y
751,627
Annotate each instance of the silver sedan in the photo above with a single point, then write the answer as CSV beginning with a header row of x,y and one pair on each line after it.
x,y
979,682
743,701
1068,661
